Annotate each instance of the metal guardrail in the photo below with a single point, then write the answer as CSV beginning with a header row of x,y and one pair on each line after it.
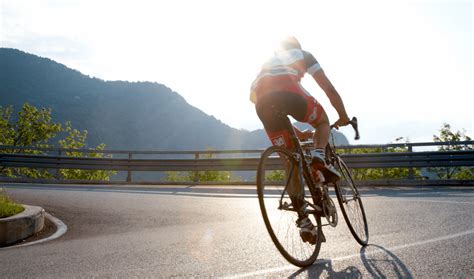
x,y
410,159
59,162
375,160
17,157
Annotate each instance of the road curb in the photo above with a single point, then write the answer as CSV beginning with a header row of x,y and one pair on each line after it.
x,y
61,229
21,225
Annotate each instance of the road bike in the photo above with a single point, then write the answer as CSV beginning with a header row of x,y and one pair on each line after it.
x,y
278,170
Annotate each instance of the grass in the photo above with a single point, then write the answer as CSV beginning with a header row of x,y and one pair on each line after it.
x,y
8,207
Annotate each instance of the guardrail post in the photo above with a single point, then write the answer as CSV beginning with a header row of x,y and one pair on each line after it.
x,y
57,175
411,174
196,173
384,150
129,172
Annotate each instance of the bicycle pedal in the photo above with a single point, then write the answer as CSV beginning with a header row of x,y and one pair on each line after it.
x,y
309,237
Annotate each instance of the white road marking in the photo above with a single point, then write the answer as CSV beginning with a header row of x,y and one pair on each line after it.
x,y
431,193
419,200
436,201
391,249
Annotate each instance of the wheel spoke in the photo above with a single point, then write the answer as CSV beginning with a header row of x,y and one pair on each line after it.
x,y
273,182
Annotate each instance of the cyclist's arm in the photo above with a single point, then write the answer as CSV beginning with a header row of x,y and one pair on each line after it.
x,y
334,97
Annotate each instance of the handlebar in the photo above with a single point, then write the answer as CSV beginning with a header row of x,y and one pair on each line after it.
x,y
354,125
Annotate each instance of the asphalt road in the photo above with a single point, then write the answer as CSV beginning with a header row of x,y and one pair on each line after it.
x,y
219,232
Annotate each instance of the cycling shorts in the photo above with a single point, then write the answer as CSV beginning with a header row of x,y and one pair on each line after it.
x,y
285,98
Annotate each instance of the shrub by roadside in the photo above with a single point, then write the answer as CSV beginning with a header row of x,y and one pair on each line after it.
x,y
8,207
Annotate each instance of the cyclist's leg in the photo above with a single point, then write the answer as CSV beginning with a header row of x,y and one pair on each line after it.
x,y
321,135
272,109
314,116
317,117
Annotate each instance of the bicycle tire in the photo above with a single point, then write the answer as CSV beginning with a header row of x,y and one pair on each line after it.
x,y
351,205
280,221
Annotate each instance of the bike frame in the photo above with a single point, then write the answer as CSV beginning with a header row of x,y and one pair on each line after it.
x,y
318,203
317,190
304,169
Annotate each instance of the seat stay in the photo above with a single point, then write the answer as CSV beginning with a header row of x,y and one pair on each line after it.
x,y
286,184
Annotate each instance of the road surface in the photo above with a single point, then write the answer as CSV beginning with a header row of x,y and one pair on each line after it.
x,y
216,231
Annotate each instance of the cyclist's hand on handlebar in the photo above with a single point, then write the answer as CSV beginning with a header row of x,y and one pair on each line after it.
x,y
342,121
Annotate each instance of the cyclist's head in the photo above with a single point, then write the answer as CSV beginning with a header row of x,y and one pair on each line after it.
x,y
290,43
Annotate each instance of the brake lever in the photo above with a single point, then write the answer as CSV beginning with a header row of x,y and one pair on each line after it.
x,y
354,125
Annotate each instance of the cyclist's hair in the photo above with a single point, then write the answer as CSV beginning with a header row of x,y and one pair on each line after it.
x,y
290,43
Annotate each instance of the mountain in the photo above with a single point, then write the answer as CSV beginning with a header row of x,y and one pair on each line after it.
x,y
121,114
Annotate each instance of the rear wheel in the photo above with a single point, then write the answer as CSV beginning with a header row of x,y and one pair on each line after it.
x,y
276,169
351,205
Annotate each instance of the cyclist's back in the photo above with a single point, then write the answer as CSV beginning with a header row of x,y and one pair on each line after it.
x,y
285,68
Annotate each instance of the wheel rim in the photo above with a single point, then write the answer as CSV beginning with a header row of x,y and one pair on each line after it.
x,y
351,203
277,210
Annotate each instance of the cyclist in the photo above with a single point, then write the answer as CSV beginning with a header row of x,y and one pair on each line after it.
x,y
277,92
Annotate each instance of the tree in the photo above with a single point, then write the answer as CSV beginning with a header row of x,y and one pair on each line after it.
x,y
76,139
446,135
35,128
32,128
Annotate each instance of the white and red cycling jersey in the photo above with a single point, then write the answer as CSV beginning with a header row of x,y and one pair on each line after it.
x,y
283,71
277,90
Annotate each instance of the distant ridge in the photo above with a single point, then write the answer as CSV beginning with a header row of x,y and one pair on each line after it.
x,y
121,114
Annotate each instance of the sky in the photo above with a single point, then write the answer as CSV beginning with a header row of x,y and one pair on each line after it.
x,y
403,67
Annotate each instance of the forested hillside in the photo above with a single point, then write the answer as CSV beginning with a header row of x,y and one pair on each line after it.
x,y
121,114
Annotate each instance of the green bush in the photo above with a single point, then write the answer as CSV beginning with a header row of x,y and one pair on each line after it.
x,y
200,176
204,176
8,207
381,173
275,175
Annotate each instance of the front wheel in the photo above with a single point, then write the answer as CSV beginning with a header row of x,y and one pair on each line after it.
x,y
351,205
276,170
